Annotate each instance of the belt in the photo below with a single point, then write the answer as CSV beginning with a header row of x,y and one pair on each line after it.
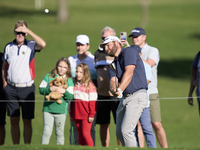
x,y
127,95
28,84
141,90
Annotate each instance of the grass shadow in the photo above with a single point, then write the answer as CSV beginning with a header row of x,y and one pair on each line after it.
x,y
175,68
195,36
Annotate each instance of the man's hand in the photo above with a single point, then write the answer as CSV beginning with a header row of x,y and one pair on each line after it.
x,y
119,93
40,42
90,119
4,85
124,42
195,82
190,101
23,29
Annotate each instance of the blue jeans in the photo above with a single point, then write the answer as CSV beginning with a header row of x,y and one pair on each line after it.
x,y
145,122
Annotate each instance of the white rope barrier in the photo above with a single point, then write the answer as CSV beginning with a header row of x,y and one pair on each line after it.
x,y
101,100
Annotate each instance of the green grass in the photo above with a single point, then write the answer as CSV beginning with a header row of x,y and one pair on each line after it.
x,y
172,27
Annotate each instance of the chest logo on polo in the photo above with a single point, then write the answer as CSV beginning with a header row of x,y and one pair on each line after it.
x,y
23,52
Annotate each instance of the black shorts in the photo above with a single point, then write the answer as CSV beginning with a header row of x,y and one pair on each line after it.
x,y
104,109
2,109
20,97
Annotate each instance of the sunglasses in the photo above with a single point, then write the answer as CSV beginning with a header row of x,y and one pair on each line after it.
x,y
103,38
21,33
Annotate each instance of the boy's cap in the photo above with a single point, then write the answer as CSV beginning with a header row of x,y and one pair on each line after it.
x,y
137,32
83,39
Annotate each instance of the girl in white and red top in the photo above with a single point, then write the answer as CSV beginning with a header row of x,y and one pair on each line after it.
x,y
84,106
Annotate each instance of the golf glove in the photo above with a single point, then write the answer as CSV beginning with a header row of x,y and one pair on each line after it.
x,y
121,93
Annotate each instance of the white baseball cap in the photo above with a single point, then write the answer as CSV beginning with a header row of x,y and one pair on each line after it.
x,y
108,40
83,39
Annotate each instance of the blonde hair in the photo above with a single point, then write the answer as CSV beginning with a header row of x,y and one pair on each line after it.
x,y
54,72
20,23
86,76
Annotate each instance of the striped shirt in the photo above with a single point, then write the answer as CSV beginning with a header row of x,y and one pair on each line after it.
x,y
85,104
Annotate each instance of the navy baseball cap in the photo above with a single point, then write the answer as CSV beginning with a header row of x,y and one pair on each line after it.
x,y
137,32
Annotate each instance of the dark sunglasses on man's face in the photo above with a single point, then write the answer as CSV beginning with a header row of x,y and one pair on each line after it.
x,y
21,33
103,38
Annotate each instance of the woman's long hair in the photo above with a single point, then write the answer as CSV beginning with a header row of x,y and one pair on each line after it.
x,y
86,76
54,72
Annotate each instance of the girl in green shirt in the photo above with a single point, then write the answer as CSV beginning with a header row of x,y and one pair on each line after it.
x,y
54,113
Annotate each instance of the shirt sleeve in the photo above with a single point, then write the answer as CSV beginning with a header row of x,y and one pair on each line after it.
x,y
148,71
4,57
131,55
154,54
44,89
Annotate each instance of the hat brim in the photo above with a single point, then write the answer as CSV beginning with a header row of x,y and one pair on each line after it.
x,y
102,46
81,42
135,34
130,35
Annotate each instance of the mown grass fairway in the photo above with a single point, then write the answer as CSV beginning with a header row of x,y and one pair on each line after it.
x,y
172,27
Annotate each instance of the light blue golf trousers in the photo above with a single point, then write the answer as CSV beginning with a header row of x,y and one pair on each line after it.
x,y
145,121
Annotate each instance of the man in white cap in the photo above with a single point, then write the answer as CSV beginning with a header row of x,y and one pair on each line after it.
x,y
131,85
82,56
